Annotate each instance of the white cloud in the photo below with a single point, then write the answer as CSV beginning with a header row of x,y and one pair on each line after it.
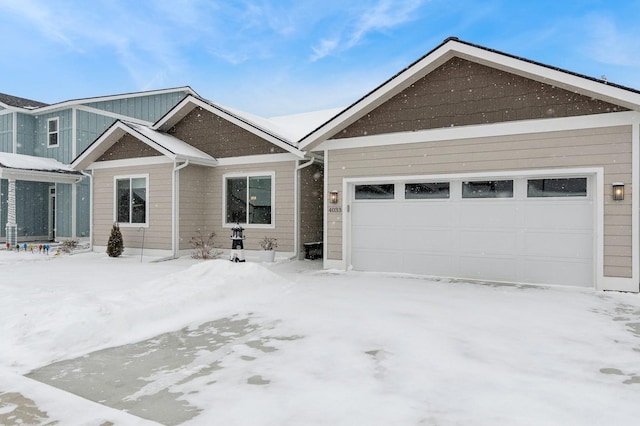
x,y
325,48
385,15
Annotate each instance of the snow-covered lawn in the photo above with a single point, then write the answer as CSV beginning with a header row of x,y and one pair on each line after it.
x,y
332,348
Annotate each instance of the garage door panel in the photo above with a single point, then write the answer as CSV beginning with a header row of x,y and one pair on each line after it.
x,y
378,214
426,214
558,215
428,240
564,245
370,237
490,213
555,271
428,264
377,260
487,241
498,268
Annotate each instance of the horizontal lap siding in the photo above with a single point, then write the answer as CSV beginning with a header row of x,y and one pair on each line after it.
x,y
158,234
609,147
284,206
193,211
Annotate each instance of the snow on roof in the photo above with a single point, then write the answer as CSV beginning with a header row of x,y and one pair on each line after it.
x,y
297,126
170,143
28,162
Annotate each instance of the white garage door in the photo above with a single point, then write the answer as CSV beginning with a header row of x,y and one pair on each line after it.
x,y
526,230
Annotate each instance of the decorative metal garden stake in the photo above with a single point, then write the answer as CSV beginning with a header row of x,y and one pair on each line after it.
x,y
237,245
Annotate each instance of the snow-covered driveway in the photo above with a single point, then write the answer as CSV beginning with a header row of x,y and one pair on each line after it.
x,y
221,343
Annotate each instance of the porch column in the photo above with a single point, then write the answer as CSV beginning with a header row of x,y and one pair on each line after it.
x,y
12,226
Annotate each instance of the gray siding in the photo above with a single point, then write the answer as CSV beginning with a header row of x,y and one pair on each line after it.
x,y
83,207
26,137
64,151
605,147
63,210
193,206
4,187
149,108
88,127
32,200
6,133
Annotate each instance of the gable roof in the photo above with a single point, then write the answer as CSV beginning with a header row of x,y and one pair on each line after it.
x,y
15,101
259,126
38,169
167,145
453,47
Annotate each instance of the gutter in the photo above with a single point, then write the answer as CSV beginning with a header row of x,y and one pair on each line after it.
x,y
176,198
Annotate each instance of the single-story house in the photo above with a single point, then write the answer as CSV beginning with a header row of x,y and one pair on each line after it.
x,y
201,168
476,164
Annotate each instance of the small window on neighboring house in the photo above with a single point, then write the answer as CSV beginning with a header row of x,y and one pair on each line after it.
x,y
375,192
422,191
488,189
560,187
52,132
131,200
249,200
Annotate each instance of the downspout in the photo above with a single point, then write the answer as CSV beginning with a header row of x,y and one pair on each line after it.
x,y
90,176
296,221
176,198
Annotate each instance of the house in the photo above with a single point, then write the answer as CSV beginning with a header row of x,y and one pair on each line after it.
x,y
50,202
201,168
476,164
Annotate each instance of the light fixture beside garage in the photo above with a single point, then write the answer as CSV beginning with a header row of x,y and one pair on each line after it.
x,y
333,197
618,191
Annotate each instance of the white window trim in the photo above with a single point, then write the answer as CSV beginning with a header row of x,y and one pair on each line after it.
x,y
57,132
115,201
226,176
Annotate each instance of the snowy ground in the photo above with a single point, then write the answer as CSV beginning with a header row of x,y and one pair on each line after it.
x,y
288,344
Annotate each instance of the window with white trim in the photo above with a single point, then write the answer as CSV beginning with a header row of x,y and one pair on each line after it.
x,y
52,132
131,200
249,199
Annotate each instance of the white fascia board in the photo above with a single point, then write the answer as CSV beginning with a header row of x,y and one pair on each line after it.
x,y
9,110
485,130
197,161
39,176
257,159
77,102
130,162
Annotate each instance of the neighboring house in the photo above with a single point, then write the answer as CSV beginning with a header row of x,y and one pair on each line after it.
x,y
50,207
476,164
202,168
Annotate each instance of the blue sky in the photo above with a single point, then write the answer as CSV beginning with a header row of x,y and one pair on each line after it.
x,y
275,57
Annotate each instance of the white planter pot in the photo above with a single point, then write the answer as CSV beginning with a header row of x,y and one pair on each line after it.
x,y
267,255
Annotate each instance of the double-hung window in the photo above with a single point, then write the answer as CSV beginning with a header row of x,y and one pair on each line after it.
x,y
249,199
52,132
131,200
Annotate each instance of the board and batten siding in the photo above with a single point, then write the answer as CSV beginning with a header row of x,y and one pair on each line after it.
x,y
284,218
159,203
608,147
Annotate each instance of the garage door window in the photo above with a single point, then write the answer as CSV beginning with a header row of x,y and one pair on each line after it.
x,y
560,187
375,192
421,191
488,189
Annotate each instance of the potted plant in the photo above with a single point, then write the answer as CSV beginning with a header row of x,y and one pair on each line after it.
x,y
269,246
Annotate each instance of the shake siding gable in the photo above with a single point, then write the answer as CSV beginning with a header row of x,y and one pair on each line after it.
x,y
461,93
218,137
127,147
608,147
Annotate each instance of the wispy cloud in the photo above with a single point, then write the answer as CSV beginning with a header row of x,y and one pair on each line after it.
x,y
610,44
381,16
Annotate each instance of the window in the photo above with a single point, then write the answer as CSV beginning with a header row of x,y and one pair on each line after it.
x,y
420,191
488,189
375,192
249,200
131,200
52,132
560,187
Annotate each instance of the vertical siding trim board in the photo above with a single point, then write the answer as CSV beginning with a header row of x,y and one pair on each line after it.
x,y
14,135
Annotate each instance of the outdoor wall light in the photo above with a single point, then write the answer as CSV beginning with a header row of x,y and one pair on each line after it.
x,y
333,197
618,191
